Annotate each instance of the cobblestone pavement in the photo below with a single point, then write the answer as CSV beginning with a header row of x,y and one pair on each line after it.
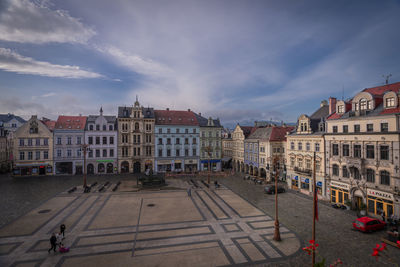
x,y
333,230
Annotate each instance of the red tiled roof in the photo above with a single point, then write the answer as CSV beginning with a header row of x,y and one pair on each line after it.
x,y
390,111
380,90
175,117
334,116
247,130
279,133
50,124
71,122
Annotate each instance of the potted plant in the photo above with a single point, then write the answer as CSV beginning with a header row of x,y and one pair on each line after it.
x,y
347,203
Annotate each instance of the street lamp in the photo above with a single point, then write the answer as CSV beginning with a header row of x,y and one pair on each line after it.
x,y
277,235
208,149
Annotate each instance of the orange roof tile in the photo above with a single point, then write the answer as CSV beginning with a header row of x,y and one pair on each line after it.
x,y
71,122
175,117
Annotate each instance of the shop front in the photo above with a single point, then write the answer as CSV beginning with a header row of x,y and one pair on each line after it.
x,y
295,182
64,167
33,169
379,201
305,185
177,165
339,192
215,164
164,165
319,185
105,166
191,165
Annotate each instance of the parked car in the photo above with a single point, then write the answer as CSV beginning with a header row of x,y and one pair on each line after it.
x,y
270,189
368,224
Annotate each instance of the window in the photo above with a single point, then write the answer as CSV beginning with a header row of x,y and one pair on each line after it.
x,y
356,174
335,149
69,140
91,153
97,127
91,127
111,140
21,155
177,130
110,127
300,146
363,104
194,152
186,131
29,142
46,141
209,134
168,141
168,131
335,170
345,128
97,140
317,165
186,141
340,109
136,126
177,153
346,150
59,153
159,130
160,152
308,164
345,172
384,152
178,141
357,151
168,152
111,153
186,152
300,163
160,141
97,153
90,140
104,127
46,154
334,129
21,142
79,140
389,102
104,153
356,128
37,143
307,147
317,147
30,155
194,130
370,127
194,141
292,162
37,155
370,152
385,177
384,127
78,153
104,140
370,176
292,145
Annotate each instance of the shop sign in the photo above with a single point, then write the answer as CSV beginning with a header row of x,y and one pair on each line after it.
x,y
178,161
340,185
101,160
164,162
319,183
305,180
296,178
190,161
380,194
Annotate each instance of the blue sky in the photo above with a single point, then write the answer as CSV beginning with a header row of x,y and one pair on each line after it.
x,y
237,60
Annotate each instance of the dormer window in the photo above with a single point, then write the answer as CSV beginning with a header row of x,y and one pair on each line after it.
x,y
389,102
340,109
363,104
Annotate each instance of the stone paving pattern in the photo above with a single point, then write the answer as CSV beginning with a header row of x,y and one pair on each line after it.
x,y
147,228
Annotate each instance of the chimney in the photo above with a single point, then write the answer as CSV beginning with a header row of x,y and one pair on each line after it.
x,y
199,113
167,109
323,103
189,109
332,105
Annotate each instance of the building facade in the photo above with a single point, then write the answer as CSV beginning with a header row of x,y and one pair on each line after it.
x,y
176,141
210,143
101,135
239,134
69,135
227,151
33,149
362,150
135,139
4,154
302,143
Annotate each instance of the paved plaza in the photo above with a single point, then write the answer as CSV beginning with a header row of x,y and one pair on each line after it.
x,y
147,228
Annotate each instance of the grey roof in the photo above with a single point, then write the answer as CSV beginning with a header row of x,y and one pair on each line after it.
x,y
261,133
93,118
203,122
322,112
7,117
125,112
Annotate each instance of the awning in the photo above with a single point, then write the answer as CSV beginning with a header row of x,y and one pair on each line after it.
x,y
211,161
226,159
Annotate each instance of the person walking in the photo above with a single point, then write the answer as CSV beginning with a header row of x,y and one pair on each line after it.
x,y
59,239
53,243
189,192
62,230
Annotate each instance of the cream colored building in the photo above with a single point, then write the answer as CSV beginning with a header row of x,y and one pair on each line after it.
x,y
302,143
362,150
239,134
33,149
135,139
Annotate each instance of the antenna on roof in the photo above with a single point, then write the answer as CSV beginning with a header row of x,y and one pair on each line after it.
x,y
387,77
342,92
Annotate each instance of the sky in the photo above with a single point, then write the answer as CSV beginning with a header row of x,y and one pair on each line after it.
x,y
239,61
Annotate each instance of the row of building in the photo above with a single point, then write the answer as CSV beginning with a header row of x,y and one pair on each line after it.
x,y
353,144
139,139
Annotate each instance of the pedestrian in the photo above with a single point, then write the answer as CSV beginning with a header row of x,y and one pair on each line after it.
x,y
189,192
53,243
383,216
59,239
62,230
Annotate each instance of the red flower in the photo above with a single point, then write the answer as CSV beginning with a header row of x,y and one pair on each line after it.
x,y
398,244
376,252
312,241
339,261
383,246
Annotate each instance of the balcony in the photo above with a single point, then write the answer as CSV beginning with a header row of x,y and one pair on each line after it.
x,y
302,171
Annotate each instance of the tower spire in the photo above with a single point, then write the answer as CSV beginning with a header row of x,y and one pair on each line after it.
x,y
101,111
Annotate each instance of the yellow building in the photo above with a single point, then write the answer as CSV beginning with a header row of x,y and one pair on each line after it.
x,y
362,149
307,139
33,149
238,136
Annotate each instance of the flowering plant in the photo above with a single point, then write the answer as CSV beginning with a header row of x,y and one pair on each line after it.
x,y
380,250
313,247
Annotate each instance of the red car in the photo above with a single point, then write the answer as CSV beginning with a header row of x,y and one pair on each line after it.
x,y
367,224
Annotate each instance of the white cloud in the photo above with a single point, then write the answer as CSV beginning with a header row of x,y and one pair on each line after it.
x,y
24,21
14,62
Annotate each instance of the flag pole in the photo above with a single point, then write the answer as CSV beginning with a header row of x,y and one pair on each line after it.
x,y
314,210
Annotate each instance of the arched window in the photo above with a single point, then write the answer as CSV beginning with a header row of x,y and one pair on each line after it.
x,y
370,176
363,104
385,177
335,170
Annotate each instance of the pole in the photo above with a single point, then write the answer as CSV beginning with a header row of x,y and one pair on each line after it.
x,y
84,146
277,235
314,196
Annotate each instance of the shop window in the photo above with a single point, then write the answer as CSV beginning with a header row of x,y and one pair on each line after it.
x,y
385,177
370,152
305,185
370,176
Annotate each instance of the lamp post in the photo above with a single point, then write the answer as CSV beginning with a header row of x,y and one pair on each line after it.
x,y
208,150
85,148
277,235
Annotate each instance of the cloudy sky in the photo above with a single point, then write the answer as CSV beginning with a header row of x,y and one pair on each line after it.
x,y
237,60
